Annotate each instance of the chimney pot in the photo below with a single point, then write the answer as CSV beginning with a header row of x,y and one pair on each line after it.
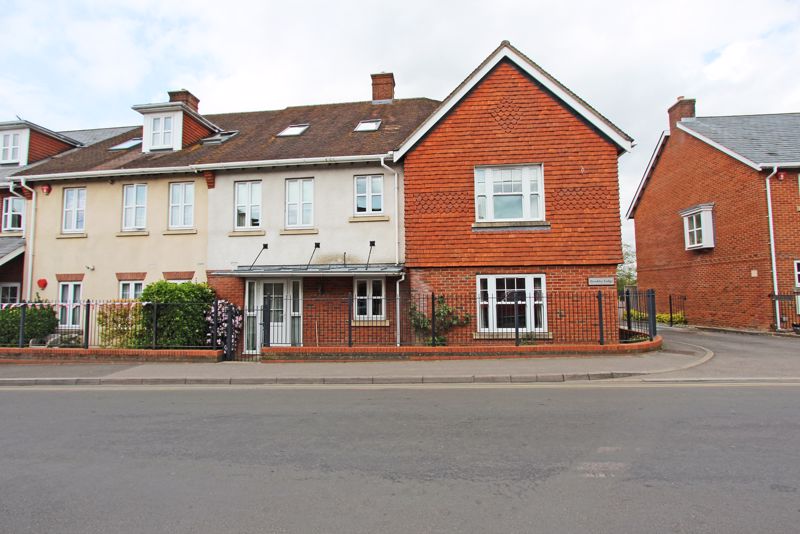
x,y
382,86
183,95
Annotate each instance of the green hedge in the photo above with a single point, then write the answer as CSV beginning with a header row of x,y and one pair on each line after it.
x,y
179,311
40,321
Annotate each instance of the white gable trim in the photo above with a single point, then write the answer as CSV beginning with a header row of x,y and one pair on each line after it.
x,y
646,175
505,52
718,146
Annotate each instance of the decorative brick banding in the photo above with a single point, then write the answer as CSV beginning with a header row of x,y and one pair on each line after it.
x,y
178,275
69,277
122,277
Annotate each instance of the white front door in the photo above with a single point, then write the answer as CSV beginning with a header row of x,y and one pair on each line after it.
x,y
273,313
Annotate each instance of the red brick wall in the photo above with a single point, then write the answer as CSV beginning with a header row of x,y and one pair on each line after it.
x,y
786,217
12,271
193,131
43,146
718,284
580,181
572,315
230,288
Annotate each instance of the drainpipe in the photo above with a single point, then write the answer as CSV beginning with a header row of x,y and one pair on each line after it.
x,y
32,234
397,305
396,211
772,250
396,246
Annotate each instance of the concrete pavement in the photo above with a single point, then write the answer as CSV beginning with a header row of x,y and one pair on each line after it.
x,y
555,369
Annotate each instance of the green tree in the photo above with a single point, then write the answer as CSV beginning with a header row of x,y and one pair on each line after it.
x,y
626,271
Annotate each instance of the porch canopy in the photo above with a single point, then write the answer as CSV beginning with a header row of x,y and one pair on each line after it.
x,y
319,270
10,248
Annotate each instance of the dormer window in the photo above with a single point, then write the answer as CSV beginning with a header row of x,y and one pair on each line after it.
x,y
371,125
293,130
9,147
161,132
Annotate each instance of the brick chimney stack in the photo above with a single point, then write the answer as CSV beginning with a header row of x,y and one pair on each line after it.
x,y
382,86
183,95
681,109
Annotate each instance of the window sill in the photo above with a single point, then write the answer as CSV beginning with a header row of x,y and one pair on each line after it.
x,y
133,233
510,335
510,225
700,247
369,322
76,235
13,233
299,231
180,231
368,218
245,233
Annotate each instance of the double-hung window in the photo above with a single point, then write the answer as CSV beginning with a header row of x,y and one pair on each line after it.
x,y
370,299
248,205
69,304
369,195
509,193
74,216
9,293
507,302
698,227
161,133
13,211
134,207
130,290
299,202
181,205
9,148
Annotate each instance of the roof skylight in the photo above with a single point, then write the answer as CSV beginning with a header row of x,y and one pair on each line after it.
x,y
219,138
369,125
293,129
130,143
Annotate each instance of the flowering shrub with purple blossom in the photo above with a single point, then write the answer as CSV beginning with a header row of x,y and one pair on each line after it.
x,y
225,311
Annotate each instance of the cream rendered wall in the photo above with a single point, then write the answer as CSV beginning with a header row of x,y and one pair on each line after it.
x,y
334,208
106,250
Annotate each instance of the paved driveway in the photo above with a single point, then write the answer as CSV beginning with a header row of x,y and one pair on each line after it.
x,y
738,355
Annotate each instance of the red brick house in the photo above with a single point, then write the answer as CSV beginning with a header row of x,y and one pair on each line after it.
x,y
718,218
511,188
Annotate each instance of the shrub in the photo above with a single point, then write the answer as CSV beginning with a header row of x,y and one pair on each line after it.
x,y
222,310
178,311
120,324
447,317
677,317
40,321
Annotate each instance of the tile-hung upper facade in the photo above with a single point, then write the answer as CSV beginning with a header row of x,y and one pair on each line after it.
x,y
718,217
473,195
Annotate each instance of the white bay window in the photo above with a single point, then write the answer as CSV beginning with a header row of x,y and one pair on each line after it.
x,y
506,302
698,227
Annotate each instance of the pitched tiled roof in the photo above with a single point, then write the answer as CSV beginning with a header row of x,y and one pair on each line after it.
x,y
762,139
330,134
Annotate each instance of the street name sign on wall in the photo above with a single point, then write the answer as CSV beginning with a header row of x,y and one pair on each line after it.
x,y
601,281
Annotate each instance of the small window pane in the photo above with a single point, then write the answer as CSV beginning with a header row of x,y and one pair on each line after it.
x,y
361,186
508,207
377,288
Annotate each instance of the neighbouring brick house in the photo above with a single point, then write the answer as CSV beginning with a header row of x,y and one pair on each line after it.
x,y
344,218
718,218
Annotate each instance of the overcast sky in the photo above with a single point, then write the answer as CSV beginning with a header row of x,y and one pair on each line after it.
x,y
82,64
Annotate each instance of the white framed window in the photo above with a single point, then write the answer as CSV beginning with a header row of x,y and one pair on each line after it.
x,y
698,227
247,205
797,274
293,130
9,293
161,131
369,195
299,202
512,299
509,193
369,125
134,206
74,217
13,214
181,205
369,296
130,290
69,304
9,147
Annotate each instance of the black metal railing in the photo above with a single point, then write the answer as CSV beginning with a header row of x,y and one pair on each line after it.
x,y
588,317
788,308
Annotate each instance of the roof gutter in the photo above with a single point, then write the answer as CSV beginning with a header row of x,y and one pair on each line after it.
x,y
206,167
772,249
